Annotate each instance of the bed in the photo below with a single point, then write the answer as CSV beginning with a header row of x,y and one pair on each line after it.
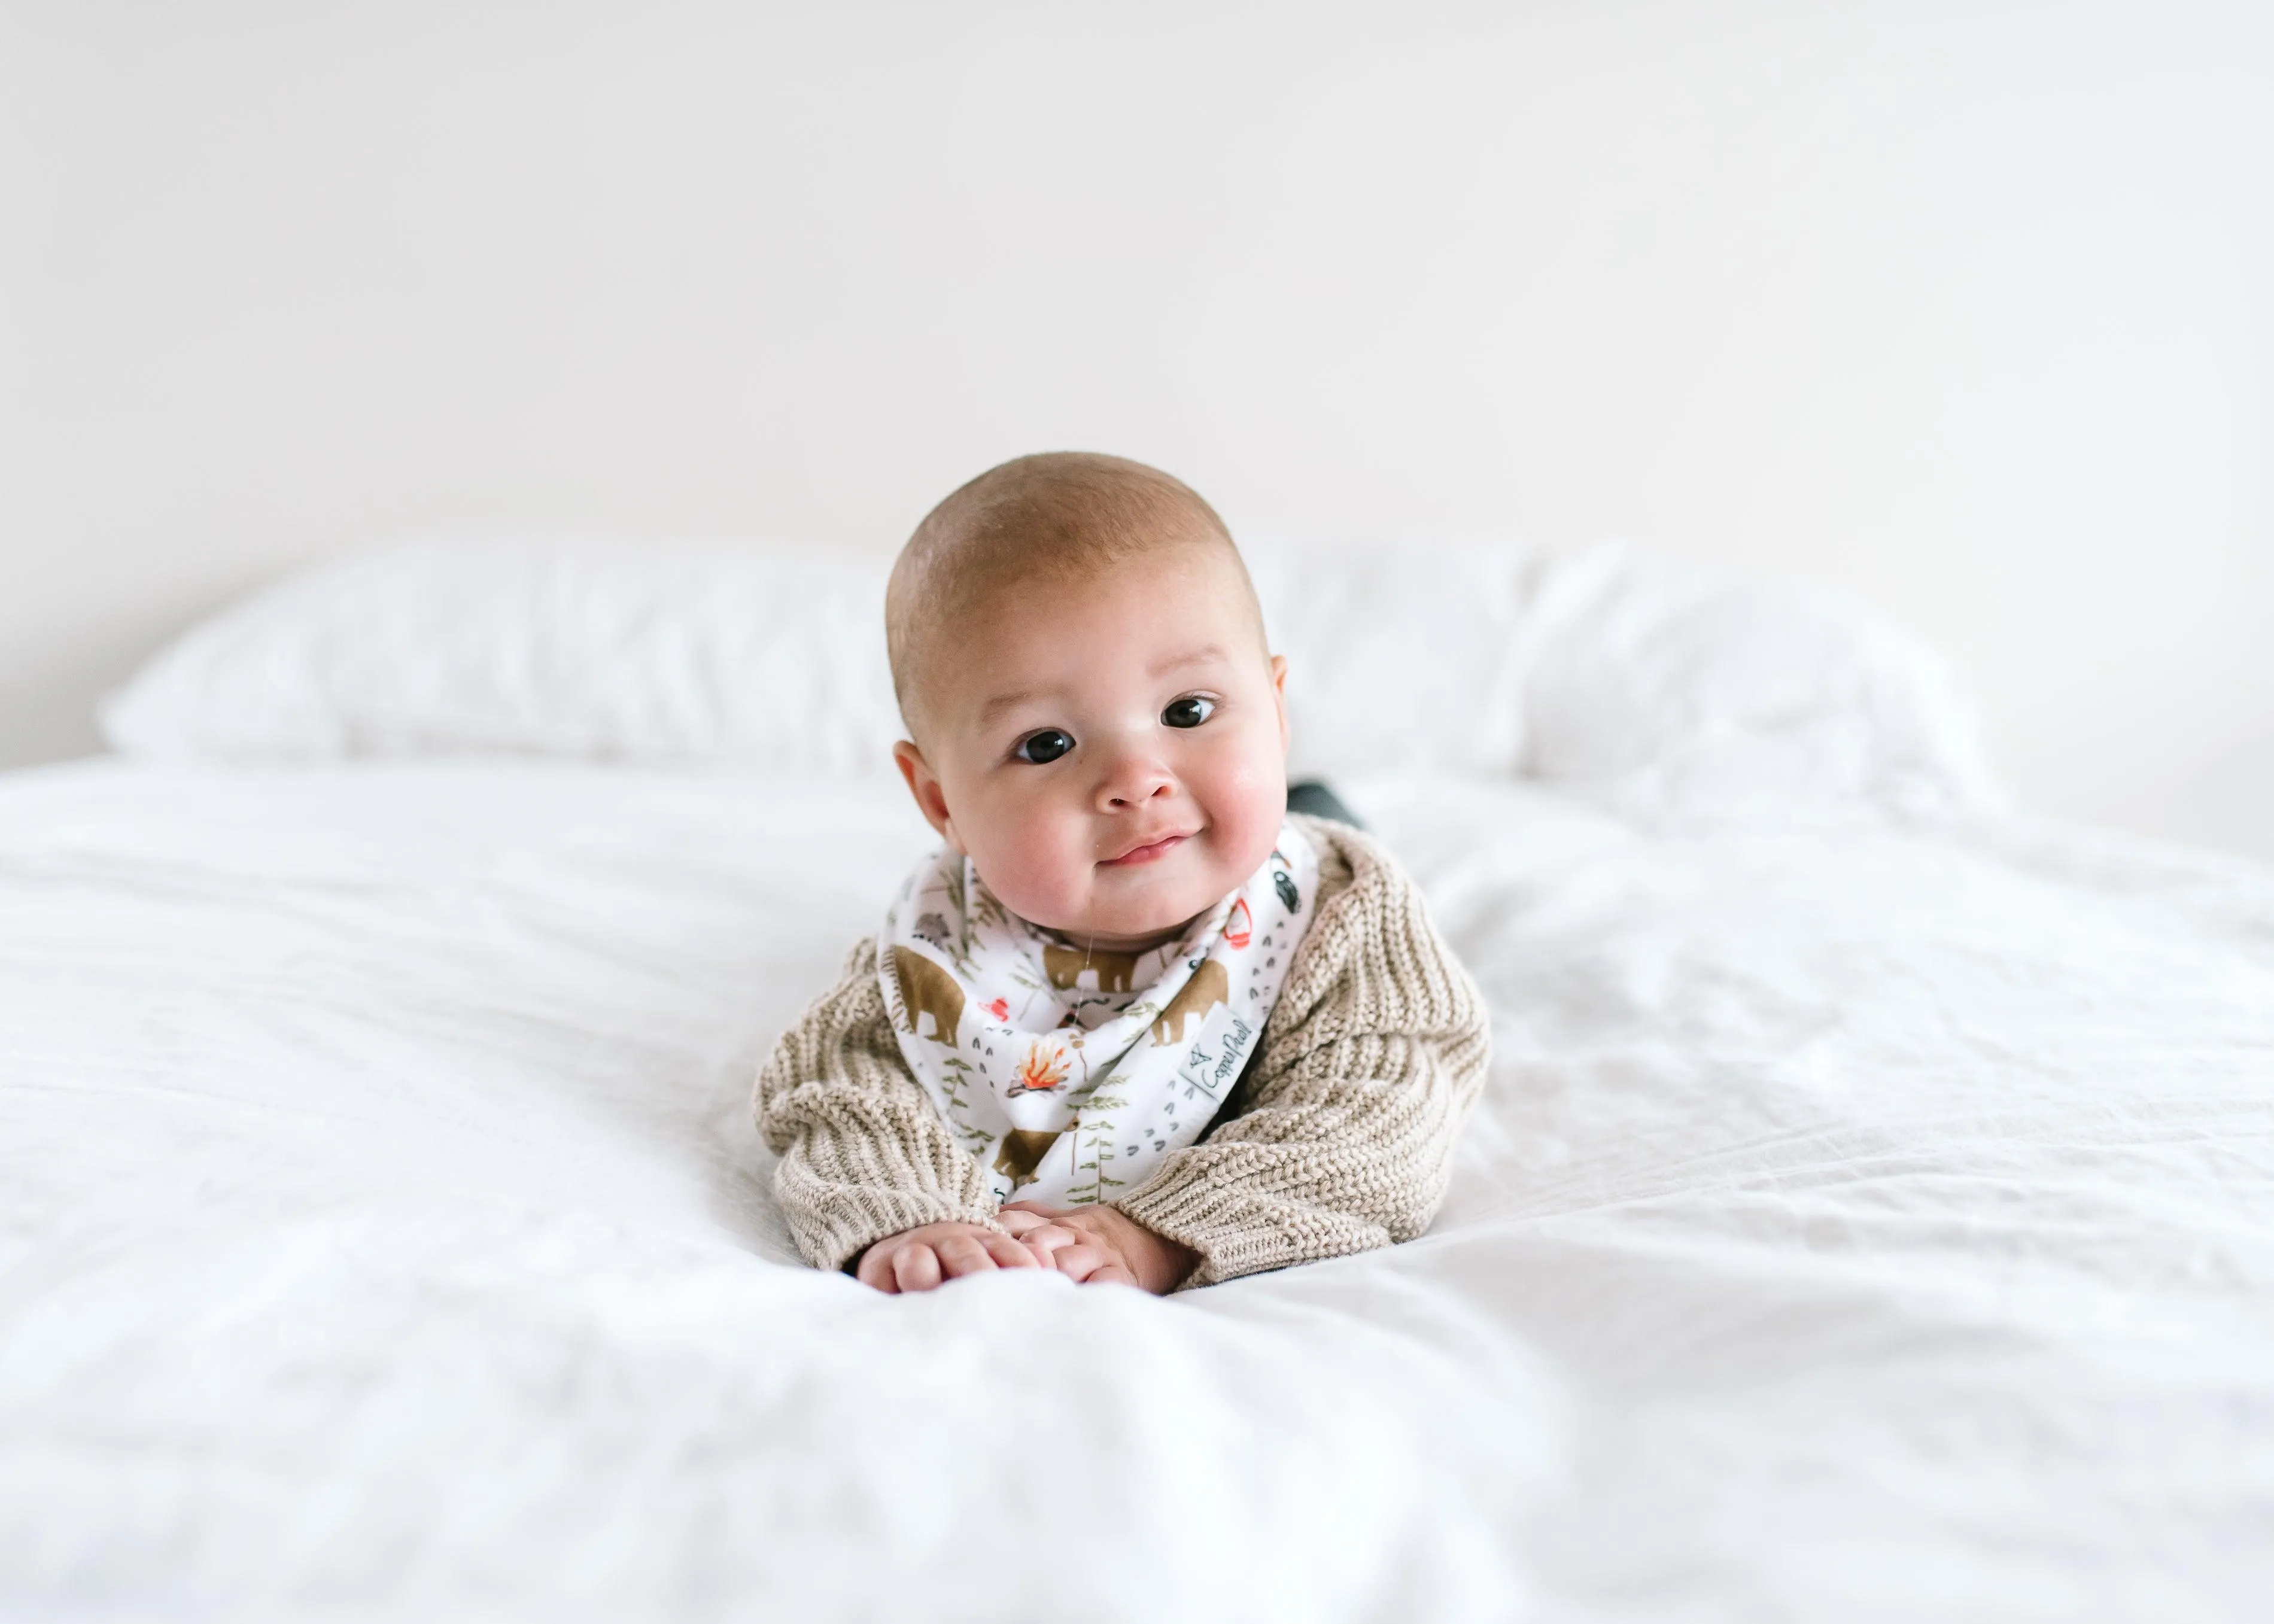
x,y
1870,1213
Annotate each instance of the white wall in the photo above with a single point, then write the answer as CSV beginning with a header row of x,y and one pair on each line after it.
x,y
1966,310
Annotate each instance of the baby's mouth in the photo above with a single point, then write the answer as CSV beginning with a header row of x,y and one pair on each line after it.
x,y
1152,851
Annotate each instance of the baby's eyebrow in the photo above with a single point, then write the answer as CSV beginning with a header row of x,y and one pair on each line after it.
x,y
997,705
1201,656
1001,703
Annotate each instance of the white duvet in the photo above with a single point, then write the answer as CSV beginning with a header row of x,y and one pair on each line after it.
x,y
1864,1219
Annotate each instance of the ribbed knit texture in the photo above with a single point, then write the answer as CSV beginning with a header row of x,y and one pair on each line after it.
x,y
1338,1139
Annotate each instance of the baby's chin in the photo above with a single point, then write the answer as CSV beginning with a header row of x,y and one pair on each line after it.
x,y
1115,908
1129,912
1148,901
1119,918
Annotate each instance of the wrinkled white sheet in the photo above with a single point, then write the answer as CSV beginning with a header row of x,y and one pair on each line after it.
x,y
1863,1220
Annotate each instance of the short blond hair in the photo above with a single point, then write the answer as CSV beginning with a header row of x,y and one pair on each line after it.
x,y
1056,517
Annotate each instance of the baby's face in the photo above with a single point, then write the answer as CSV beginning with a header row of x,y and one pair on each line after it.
x,y
1110,756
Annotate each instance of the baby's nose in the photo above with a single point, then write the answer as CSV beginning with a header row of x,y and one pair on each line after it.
x,y
1132,781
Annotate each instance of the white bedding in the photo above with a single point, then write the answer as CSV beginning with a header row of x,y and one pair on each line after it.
x,y
1864,1219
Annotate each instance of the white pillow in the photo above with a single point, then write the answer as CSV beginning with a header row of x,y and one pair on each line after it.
x,y
1670,688
670,651
1660,686
764,655
1399,657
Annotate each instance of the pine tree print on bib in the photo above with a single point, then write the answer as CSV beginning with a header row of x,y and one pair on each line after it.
x,y
1070,1074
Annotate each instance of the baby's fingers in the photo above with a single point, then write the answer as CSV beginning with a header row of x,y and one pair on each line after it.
x,y
916,1267
1047,1242
1081,1260
967,1254
1009,1253
875,1268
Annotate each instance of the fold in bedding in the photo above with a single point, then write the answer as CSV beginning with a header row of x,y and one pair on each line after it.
x,y
1864,1219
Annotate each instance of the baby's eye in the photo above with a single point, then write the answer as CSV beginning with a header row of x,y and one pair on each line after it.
x,y
1189,711
1044,747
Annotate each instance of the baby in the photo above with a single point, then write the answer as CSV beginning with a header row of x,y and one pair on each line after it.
x,y
1194,1037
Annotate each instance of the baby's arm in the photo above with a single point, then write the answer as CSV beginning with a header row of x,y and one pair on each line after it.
x,y
1345,1138
865,1157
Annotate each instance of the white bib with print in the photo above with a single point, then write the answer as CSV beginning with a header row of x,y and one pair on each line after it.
x,y
1070,1074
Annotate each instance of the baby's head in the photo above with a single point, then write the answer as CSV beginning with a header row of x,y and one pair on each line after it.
x,y
1096,719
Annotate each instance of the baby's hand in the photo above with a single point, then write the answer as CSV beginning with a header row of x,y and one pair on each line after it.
x,y
917,1259
1097,1245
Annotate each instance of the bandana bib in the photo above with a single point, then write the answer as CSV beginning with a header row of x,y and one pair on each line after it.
x,y
1069,1074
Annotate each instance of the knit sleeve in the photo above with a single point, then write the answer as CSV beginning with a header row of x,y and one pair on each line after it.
x,y
1370,1064
863,1152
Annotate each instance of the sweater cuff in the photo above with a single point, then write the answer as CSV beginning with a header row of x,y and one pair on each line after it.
x,y
835,1236
834,1222
1239,1230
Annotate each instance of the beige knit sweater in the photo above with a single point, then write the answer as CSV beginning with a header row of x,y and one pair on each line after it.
x,y
1338,1137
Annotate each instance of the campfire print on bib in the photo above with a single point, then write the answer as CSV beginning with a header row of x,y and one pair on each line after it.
x,y
1070,1073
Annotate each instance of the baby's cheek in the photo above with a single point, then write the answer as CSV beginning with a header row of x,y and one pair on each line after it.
x,y
1028,865
1252,803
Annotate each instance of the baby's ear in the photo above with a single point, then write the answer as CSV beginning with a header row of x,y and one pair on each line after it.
x,y
1279,698
924,785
